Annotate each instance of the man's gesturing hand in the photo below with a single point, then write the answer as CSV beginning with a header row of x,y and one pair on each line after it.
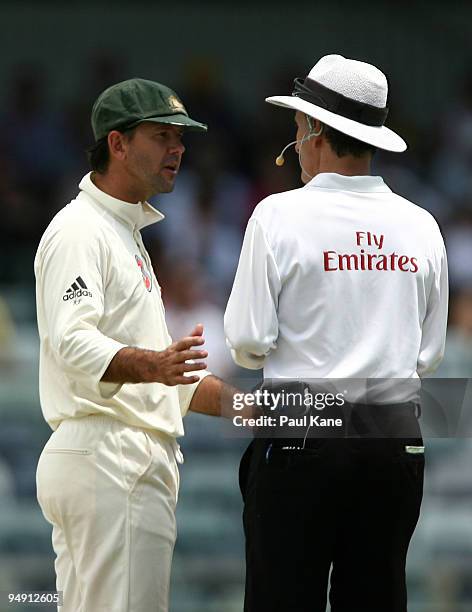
x,y
171,363
135,365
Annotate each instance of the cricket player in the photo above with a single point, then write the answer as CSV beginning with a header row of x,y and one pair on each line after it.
x,y
113,385
338,280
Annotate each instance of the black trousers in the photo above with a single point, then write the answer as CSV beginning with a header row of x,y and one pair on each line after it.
x,y
351,503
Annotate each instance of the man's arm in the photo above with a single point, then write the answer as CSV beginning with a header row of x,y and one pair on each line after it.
x,y
70,270
435,322
216,398
136,365
251,325
212,396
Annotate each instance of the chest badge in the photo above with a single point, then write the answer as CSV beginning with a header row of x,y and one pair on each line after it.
x,y
146,276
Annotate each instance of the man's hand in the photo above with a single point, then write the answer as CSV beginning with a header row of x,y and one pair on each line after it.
x,y
135,365
170,363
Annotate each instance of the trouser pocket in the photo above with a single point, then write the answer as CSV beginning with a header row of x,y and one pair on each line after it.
x,y
135,456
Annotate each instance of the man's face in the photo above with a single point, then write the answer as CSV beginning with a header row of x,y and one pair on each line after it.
x,y
153,155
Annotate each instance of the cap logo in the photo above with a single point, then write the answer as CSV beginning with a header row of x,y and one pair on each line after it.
x,y
176,104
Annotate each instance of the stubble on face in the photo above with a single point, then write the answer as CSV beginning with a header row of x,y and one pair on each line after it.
x,y
143,167
154,158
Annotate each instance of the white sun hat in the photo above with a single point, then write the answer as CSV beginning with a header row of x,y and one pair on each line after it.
x,y
349,96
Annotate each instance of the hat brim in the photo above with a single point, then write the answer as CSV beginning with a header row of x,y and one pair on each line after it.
x,y
381,137
177,119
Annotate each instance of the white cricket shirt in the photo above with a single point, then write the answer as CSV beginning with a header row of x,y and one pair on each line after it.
x,y
339,279
96,293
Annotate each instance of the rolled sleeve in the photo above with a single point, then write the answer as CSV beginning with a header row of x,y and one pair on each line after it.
x,y
251,322
186,391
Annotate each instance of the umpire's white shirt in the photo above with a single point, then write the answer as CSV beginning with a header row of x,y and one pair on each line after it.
x,y
96,293
339,279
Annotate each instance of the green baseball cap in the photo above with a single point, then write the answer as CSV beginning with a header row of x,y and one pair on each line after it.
x,y
126,104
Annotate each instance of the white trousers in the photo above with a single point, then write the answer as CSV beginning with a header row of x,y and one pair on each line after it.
x,y
110,490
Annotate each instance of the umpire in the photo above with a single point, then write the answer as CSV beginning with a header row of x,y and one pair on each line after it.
x,y
338,280
113,385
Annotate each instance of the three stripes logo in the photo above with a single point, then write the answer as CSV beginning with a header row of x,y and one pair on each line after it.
x,y
77,290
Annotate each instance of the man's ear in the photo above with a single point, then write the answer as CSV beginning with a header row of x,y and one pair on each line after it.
x,y
317,131
315,126
117,145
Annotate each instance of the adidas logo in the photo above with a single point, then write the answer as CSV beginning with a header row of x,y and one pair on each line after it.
x,y
77,290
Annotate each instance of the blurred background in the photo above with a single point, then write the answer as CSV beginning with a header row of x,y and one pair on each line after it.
x,y
223,60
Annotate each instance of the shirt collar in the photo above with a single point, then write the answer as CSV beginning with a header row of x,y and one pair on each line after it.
x,y
137,215
341,182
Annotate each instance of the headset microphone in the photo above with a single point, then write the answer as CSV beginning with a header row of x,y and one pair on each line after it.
x,y
280,161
